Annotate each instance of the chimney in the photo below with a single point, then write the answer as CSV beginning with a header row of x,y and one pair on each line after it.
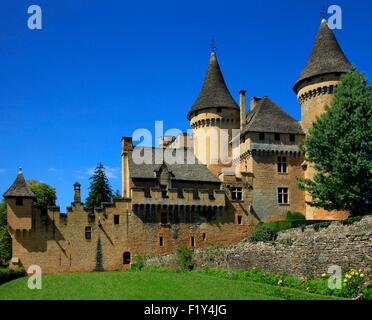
x,y
127,145
77,198
253,102
242,108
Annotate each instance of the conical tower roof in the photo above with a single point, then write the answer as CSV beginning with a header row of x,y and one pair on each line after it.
x,y
214,92
326,56
19,188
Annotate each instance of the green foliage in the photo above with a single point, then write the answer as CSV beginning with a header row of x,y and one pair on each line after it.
x,y
184,257
355,283
340,147
3,213
99,189
44,193
5,239
268,231
138,263
263,232
297,219
11,274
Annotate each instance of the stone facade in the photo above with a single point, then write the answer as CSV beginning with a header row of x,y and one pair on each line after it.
x,y
120,230
296,251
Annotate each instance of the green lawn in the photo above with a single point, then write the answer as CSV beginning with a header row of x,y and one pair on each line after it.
x,y
147,285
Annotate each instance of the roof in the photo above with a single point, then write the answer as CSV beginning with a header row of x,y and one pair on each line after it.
x,y
214,92
19,188
326,56
266,116
180,171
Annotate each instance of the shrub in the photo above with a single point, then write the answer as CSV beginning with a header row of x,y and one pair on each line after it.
x,y
297,219
184,257
5,246
263,232
356,285
138,264
11,274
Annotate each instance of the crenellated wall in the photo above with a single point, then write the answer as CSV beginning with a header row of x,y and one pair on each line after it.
x,y
57,242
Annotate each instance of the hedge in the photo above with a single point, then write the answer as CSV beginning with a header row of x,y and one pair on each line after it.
x,y
11,274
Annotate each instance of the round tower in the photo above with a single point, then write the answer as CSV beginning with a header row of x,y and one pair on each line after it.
x,y
317,82
315,89
213,116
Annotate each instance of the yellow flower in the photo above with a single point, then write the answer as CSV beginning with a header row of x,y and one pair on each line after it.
x,y
324,275
362,275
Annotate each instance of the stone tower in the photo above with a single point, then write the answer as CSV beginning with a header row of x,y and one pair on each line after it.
x,y
19,202
320,76
315,88
213,110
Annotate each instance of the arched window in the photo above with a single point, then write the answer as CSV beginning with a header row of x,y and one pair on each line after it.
x,y
126,257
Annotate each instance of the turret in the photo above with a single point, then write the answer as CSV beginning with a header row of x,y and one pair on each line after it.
x,y
317,82
19,199
213,110
315,89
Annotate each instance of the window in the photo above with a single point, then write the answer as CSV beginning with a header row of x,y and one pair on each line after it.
x,y
88,233
164,191
239,219
261,136
283,195
219,110
292,138
126,257
192,241
277,136
116,219
282,164
161,241
204,236
236,194
164,217
19,202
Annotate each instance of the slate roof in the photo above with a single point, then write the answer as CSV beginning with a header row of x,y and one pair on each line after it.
x,y
214,92
266,116
19,188
326,56
186,172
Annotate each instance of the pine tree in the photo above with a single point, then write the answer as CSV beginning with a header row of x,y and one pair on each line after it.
x,y
340,147
99,190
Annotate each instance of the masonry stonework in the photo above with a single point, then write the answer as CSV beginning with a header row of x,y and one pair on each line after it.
x,y
296,251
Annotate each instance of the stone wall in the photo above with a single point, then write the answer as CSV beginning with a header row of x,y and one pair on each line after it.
x,y
296,251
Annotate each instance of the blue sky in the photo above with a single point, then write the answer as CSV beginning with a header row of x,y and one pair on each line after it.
x,y
98,70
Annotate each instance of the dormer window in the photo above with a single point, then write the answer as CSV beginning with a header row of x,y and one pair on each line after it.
x,y
19,202
261,136
277,136
292,138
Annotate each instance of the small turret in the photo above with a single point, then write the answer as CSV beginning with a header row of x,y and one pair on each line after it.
x,y
19,200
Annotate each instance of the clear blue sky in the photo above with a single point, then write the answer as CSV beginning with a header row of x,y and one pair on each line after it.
x,y
101,69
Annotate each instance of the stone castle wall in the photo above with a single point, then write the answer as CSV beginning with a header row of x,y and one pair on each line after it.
x,y
295,251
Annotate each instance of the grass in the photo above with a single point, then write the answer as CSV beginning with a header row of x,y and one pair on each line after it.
x,y
148,285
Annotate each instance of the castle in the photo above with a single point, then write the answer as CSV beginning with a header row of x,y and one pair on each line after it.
x,y
197,203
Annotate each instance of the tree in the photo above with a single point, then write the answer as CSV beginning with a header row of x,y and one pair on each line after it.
x,y
44,193
340,147
99,189
5,240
